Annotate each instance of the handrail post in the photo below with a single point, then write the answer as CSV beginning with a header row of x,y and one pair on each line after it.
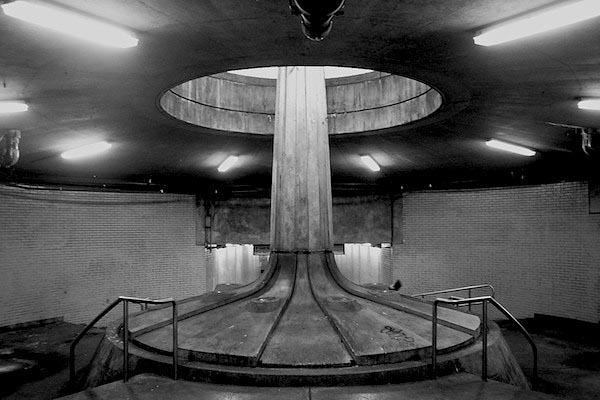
x,y
484,300
535,368
125,340
522,329
126,300
175,340
469,298
71,364
484,341
434,340
83,333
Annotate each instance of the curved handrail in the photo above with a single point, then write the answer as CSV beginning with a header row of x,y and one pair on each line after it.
x,y
126,300
522,329
469,288
484,300
83,333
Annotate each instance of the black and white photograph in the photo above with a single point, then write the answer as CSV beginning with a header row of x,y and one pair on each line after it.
x,y
300,199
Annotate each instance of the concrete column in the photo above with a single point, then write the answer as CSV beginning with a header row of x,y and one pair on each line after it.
x,y
301,189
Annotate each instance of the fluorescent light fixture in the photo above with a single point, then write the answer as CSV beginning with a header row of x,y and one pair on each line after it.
x,y
370,163
589,104
68,22
7,107
228,163
543,21
513,148
86,151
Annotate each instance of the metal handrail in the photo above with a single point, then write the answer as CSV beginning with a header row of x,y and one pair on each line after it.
x,y
83,333
460,289
469,288
484,300
126,300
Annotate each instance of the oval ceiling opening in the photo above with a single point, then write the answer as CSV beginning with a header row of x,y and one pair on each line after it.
x,y
358,101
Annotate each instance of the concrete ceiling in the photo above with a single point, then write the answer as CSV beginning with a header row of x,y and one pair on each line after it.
x,y
78,92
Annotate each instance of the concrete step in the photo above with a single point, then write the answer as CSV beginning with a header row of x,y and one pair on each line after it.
x,y
455,387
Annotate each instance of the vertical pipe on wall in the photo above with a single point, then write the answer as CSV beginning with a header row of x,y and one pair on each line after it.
x,y
208,218
398,229
391,219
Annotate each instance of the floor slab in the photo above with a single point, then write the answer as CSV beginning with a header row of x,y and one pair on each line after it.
x,y
462,386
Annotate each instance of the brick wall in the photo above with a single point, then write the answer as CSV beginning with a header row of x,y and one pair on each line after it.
x,y
538,246
68,254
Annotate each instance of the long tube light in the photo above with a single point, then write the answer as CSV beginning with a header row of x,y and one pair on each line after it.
x,y
228,163
86,151
543,21
70,23
7,107
370,163
589,104
512,148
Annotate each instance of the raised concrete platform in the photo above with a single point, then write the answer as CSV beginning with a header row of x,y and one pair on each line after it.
x,y
302,324
300,315
455,387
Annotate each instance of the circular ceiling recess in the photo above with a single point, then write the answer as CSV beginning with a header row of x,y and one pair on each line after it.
x,y
358,101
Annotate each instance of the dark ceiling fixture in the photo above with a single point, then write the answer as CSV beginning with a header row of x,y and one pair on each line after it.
x,y
589,137
9,148
316,16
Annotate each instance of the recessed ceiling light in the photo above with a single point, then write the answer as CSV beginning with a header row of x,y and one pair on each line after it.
x,y
86,151
7,107
512,148
589,104
543,21
68,22
228,163
370,163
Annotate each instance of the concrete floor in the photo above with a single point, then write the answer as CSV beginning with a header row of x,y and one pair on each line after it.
x,y
47,349
462,386
569,355
569,366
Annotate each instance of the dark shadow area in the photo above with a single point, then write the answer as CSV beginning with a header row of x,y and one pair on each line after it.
x,y
34,361
568,351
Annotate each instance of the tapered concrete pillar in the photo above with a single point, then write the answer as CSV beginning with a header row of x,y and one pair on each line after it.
x,y
295,316
301,189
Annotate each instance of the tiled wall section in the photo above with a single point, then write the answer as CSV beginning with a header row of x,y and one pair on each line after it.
x,y
538,246
68,254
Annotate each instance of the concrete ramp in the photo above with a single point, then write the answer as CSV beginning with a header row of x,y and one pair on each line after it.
x,y
301,315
